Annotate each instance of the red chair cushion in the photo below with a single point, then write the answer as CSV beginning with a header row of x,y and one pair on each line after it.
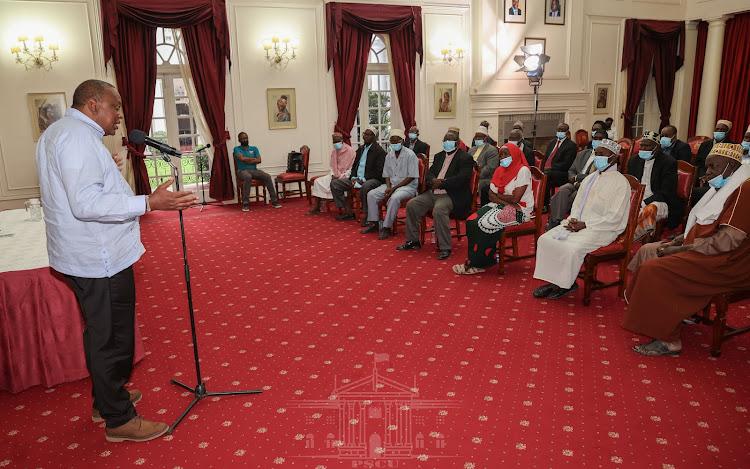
x,y
611,247
683,184
291,177
523,226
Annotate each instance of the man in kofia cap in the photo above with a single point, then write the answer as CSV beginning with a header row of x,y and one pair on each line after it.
x,y
720,136
487,158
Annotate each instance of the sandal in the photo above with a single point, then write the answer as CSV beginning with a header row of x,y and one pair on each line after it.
x,y
655,348
461,269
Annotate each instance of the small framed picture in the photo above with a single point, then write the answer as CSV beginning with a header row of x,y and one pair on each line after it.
x,y
445,100
515,11
554,12
602,98
527,41
45,108
282,108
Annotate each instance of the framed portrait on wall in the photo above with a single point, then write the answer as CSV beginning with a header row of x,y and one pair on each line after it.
x,y
527,41
515,11
603,98
554,12
282,108
445,100
45,109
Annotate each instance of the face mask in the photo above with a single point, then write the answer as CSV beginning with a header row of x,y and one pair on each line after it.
x,y
449,145
338,145
479,143
719,181
561,135
719,136
746,146
595,144
412,136
666,142
505,162
396,146
646,155
601,162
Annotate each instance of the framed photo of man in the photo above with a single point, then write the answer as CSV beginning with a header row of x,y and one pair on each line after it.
x,y
515,11
554,12
603,98
45,109
282,108
445,100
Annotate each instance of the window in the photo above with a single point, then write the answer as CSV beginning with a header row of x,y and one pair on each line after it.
x,y
638,119
173,122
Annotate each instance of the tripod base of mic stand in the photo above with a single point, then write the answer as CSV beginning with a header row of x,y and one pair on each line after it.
x,y
203,204
200,393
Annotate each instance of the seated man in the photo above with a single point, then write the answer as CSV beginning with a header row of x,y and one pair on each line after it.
x,y
518,125
401,174
559,157
583,165
598,125
414,143
342,157
720,136
658,172
366,174
674,280
247,159
673,147
486,158
490,140
516,136
599,215
461,143
448,191
746,147
611,129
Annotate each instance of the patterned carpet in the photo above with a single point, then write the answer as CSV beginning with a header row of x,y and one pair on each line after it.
x,y
369,357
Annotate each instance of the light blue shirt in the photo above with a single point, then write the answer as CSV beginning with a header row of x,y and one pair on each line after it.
x,y
405,166
362,165
90,212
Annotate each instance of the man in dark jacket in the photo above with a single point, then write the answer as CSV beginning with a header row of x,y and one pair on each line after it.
x,y
673,147
448,183
720,136
367,173
560,154
516,136
415,144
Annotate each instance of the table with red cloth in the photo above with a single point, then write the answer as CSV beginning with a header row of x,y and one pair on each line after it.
x,y
41,326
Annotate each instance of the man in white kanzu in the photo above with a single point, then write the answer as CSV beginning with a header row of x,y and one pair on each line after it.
x,y
599,215
93,239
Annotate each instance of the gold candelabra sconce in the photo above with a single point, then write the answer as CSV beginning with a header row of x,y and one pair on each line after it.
x,y
37,56
451,55
280,51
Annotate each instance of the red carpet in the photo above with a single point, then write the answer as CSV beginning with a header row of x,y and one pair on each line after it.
x,y
472,372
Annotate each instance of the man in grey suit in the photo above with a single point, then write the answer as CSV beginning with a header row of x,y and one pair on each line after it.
x,y
516,136
486,159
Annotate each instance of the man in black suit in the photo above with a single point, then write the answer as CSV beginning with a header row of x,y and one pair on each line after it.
x,y
448,192
658,172
514,10
559,156
516,136
414,143
673,147
367,174
720,134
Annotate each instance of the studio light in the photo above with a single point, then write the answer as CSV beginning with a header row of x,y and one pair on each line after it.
x,y
532,62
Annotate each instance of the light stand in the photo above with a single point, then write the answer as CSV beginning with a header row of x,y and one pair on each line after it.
x,y
200,389
200,151
532,63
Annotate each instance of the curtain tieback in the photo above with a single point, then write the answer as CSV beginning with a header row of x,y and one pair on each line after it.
x,y
131,149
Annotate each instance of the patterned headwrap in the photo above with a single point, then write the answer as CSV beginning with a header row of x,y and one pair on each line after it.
x,y
730,150
483,130
397,133
373,130
649,135
611,145
725,122
454,129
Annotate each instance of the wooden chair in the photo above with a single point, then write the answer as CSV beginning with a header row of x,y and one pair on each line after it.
x,y
618,250
299,178
532,227
636,147
253,184
695,144
626,143
721,331
582,139
686,176
474,186
539,159
426,157
420,189
624,158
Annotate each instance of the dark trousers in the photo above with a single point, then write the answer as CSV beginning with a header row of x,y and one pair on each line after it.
x,y
555,178
108,308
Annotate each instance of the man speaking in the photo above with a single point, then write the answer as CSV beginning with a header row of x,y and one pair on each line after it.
x,y
94,238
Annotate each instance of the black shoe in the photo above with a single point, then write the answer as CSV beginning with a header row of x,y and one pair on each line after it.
x,y
562,292
409,245
444,254
346,216
373,228
385,233
364,223
543,291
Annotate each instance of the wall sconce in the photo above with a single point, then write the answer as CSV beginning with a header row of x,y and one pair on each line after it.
x,y
452,56
34,57
278,55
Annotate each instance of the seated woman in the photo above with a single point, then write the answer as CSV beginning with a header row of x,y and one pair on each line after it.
x,y
599,214
511,203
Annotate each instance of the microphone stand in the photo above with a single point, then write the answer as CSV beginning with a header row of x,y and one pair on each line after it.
x,y
200,388
203,182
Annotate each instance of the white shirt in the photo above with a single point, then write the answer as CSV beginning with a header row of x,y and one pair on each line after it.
x,y
90,211
523,178
646,179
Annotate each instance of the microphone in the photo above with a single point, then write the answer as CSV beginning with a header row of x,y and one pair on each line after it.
x,y
138,137
208,145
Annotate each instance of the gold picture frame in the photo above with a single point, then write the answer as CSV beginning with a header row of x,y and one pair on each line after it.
x,y
282,108
445,100
603,98
44,110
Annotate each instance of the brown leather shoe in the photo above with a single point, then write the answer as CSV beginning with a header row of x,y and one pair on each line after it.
x,y
135,396
136,429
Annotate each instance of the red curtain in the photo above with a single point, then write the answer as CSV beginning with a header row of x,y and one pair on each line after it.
x,y
349,29
700,55
657,45
205,23
734,92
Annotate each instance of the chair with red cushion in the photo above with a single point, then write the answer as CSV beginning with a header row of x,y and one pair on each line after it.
x,y
298,178
636,147
626,143
539,159
420,189
582,139
257,197
532,227
426,156
618,250
624,158
695,144
686,176
474,186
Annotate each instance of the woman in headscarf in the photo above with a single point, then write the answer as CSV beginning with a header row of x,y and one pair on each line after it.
x,y
511,203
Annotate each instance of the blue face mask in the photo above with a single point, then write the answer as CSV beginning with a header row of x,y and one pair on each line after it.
x,y
396,146
338,145
449,145
601,162
719,136
665,142
413,136
746,146
561,135
479,143
595,144
645,154
719,181
505,162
